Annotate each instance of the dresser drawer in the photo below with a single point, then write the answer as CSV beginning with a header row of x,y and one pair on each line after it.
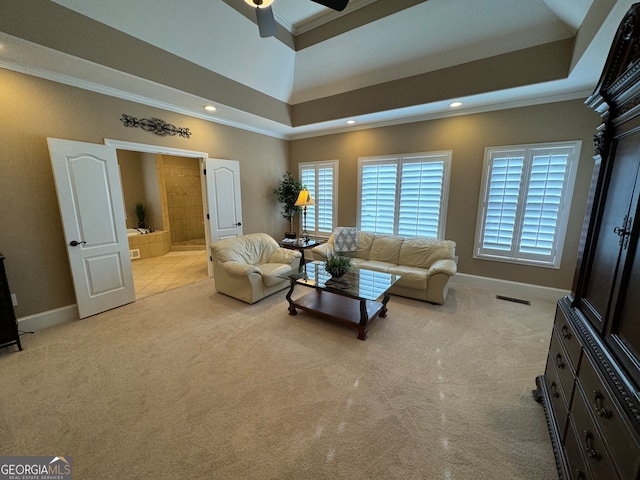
x,y
558,358
568,339
559,399
577,463
622,444
590,441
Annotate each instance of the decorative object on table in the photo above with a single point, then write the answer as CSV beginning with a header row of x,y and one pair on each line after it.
x,y
338,265
287,194
345,240
141,214
155,125
304,200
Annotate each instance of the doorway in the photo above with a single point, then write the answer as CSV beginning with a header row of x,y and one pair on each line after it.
x,y
171,252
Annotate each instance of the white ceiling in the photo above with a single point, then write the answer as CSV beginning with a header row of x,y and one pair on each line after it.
x,y
426,37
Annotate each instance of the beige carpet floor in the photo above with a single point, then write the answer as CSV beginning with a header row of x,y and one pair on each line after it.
x,y
190,384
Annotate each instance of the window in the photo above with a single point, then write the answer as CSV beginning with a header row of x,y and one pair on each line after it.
x,y
404,195
321,179
524,202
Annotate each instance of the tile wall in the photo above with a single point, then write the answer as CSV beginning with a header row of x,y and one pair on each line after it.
x,y
184,198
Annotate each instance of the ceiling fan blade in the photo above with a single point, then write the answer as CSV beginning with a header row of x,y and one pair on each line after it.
x,y
266,22
338,5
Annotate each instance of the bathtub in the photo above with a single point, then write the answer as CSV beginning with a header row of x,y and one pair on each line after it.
x,y
132,232
147,245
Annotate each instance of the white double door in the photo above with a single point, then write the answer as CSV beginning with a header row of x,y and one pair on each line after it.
x,y
91,204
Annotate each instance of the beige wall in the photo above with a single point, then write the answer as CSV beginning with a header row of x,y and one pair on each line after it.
x,y
33,109
467,136
31,234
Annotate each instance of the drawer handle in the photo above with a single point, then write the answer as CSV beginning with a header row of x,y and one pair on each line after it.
x,y
598,400
565,332
554,391
588,442
559,362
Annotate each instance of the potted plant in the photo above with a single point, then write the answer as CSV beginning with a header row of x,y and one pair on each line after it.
x,y
337,265
287,194
141,214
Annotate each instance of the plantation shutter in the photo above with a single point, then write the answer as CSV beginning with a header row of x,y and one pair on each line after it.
x,y
378,197
324,200
544,198
319,178
420,198
524,208
404,195
502,201
308,179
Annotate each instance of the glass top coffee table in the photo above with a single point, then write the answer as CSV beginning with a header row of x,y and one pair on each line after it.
x,y
354,299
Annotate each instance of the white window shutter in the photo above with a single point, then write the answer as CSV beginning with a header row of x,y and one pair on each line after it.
x,y
378,198
502,202
542,209
320,179
420,198
524,211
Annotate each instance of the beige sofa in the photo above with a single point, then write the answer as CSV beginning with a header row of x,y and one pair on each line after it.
x,y
425,264
247,267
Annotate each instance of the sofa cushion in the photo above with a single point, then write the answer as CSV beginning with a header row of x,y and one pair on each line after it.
x,y
410,277
270,272
386,248
365,239
423,252
375,265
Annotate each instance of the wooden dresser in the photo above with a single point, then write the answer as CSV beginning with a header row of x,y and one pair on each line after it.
x,y
591,386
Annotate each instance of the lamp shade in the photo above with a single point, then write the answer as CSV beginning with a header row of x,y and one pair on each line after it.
x,y
304,199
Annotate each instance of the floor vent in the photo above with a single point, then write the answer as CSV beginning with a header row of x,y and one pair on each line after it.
x,y
514,300
135,253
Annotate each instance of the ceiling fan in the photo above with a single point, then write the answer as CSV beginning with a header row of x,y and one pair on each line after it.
x,y
264,13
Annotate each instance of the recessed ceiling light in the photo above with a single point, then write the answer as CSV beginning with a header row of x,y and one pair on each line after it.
x,y
455,104
209,108
350,122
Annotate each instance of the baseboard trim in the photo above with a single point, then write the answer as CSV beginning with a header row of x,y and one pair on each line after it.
x,y
50,318
517,289
58,316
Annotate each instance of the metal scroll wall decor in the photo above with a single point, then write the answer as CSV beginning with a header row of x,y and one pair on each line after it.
x,y
155,125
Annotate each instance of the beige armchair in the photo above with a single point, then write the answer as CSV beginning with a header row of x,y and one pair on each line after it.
x,y
247,267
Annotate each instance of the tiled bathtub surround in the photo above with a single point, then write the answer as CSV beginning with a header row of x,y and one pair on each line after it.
x,y
151,244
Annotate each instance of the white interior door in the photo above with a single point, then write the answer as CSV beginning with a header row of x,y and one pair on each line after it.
x,y
223,198
91,205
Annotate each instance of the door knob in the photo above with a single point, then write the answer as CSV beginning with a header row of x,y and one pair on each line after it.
x,y
238,224
73,243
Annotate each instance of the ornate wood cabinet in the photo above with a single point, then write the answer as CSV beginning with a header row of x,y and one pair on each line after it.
x,y
591,386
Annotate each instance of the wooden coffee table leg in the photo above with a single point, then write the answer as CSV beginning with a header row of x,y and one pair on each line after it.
x,y
364,318
385,300
292,308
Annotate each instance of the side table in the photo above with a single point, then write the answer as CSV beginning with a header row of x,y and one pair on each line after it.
x,y
301,245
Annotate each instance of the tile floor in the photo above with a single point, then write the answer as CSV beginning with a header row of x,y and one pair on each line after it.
x,y
173,270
